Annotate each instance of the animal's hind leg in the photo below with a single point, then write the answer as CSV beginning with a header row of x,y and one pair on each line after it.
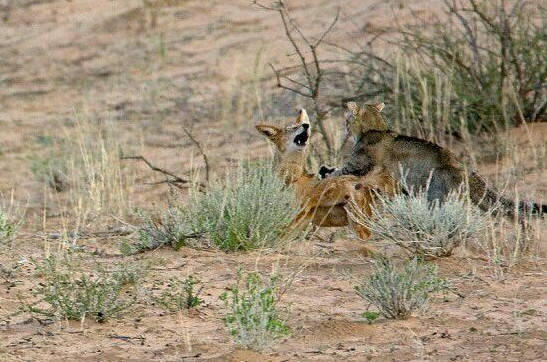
x,y
441,183
301,219
363,233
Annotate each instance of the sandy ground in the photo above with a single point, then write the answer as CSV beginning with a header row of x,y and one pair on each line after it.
x,y
200,63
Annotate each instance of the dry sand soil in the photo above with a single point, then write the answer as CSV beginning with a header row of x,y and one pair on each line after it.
x,y
151,67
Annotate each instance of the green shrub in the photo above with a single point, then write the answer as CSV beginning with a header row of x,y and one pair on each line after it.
x,y
252,317
180,295
73,294
251,209
370,316
398,291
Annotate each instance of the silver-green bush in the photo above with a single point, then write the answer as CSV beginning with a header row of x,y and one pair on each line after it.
x,y
252,317
250,209
397,291
425,228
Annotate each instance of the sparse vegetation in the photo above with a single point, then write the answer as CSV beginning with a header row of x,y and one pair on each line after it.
x,y
252,316
508,243
398,291
370,316
251,209
484,60
424,228
7,228
88,86
180,295
171,230
83,160
68,292
10,221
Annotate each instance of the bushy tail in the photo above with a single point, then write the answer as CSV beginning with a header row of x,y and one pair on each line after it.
x,y
487,198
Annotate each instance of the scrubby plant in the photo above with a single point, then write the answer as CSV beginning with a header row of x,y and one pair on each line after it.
x,y
370,316
180,295
170,230
71,293
252,208
397,291
479,65
425,228
252,315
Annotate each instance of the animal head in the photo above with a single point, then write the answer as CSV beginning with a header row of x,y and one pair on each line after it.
x,y
291,138
360,119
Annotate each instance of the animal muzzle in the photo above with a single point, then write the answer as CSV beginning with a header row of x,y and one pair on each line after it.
x,y
302,138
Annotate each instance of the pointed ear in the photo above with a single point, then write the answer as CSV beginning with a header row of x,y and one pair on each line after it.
x,y
267,130
302,117
380,106
352,106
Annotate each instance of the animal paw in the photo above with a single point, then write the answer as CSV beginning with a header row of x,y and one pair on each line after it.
x,y
325,171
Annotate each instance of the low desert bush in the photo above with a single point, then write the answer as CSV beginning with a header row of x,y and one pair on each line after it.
x,y
170,230
252,315
180,294
71,293
397,291
251,209
430,229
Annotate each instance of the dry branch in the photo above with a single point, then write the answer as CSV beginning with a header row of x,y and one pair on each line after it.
x,y
200,149
175,180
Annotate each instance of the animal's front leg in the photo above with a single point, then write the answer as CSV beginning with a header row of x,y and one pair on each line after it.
x,y
325,171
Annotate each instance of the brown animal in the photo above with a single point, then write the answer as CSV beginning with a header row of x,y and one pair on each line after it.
x,y
323,202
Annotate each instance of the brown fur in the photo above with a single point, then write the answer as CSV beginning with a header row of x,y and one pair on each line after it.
x,y
322,201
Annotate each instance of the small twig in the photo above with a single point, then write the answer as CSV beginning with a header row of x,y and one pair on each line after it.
x,y
281,85
127,338
461,295
331,26
191,356
175,179
200,149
